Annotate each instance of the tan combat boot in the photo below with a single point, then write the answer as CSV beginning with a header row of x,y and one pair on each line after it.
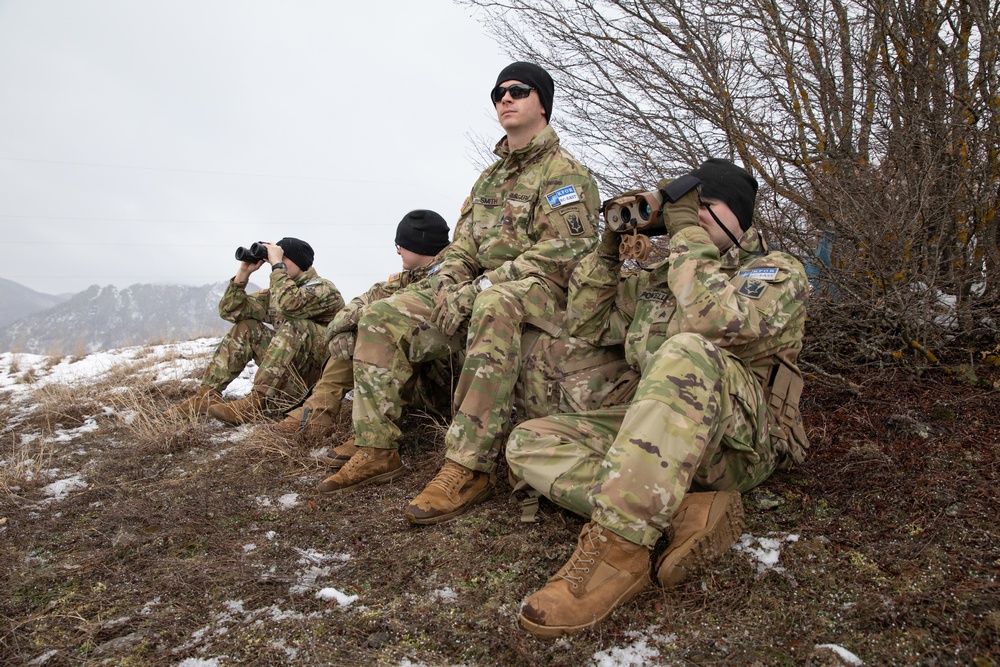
x,y
606,570
198,404
705,525
342,453
316,426
368,466
452,491
241,411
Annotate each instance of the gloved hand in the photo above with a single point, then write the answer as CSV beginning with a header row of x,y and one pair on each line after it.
x,y
341,345
610,244
680,214
345,320
453,306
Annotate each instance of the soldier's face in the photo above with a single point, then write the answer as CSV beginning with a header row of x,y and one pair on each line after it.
x,y
411,260
725,215
293,269
525,113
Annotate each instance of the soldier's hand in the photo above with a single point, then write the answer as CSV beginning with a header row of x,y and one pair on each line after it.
x,y
345,320
341,345
453,306
680,214
610,245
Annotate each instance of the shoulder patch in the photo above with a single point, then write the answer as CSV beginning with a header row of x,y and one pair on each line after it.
x,y
315,281
465,205
768,273
393,277
563,196
434,269
752,288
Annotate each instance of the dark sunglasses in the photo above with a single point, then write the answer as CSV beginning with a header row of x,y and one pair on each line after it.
x,y
518,91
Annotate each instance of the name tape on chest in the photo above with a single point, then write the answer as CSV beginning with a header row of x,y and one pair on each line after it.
x,y
654,295
766,273
563,196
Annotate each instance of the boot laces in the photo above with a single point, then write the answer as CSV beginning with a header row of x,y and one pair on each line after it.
x,y
355,462
578,567
451,478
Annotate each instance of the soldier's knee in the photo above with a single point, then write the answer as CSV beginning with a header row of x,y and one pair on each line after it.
x,y
692,348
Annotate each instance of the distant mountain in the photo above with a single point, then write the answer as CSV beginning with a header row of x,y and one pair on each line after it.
x,y
17,301
101,318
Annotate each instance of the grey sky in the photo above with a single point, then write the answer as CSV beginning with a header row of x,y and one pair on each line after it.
x,y
145,141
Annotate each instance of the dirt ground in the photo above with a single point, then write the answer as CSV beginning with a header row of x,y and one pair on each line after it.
x,y
194,541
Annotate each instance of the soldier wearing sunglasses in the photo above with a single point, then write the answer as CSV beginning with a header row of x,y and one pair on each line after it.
x,y
529,218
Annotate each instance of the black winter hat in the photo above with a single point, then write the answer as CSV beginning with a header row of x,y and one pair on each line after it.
x,y
534,76
422,232
298,251
721,179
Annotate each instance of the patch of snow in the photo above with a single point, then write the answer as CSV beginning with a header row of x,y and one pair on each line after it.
x,y
43,658
636,654
843,654
288,501
764,550
247,548
59,490
445,595
333,594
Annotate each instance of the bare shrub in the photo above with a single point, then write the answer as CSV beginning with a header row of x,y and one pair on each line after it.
x,y
872,127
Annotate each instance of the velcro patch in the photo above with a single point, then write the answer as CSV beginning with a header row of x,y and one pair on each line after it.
x,y
488,201
518,197
434,269
752,288
393,277
654,295
768,273
563,196
574,223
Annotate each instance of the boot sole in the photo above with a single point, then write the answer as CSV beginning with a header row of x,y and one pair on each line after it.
x,y
725,525
441,518
555,631
377,479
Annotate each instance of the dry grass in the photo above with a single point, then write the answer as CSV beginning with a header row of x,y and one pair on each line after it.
x,y
190,540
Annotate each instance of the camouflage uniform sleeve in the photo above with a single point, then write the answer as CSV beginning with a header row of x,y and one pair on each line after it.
x,y
237,305
563,234
601,302
457,263
309,297
731,312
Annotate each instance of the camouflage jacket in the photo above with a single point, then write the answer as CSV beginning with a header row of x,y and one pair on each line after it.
x,y
531,214
347,318
307,297
752,305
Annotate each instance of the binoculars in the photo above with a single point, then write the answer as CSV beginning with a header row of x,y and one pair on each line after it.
x,y
256,253
638,216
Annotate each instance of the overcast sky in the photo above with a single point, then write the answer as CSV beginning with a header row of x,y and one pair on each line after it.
x,y
142,142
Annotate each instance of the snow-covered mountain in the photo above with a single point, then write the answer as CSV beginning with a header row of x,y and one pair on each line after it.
x,y
17,301
100,318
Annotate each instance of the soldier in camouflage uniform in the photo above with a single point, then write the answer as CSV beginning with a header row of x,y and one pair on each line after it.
x,y
529,218
420,235
289,353
712,333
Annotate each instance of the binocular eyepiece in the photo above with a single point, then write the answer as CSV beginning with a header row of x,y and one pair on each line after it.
x,y
256,253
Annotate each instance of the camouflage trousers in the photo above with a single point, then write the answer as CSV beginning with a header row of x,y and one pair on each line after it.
x,y
327,394
289,359
428,389
698,419
395,332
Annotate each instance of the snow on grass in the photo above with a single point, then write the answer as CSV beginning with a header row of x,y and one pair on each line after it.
x,y
62,488
331,593
845,655
640,651
764,551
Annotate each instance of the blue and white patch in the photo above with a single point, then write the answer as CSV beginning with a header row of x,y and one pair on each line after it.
x,y
563,196
434,269
765,273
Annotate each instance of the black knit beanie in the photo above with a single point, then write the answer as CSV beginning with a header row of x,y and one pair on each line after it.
x,y
721,179
298,251
422,232
534,76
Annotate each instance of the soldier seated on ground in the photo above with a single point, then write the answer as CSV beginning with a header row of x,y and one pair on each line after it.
x,y
281,328
712,333
420,235
531,215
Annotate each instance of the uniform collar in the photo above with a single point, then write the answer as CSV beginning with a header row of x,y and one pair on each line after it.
x,y
540,143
